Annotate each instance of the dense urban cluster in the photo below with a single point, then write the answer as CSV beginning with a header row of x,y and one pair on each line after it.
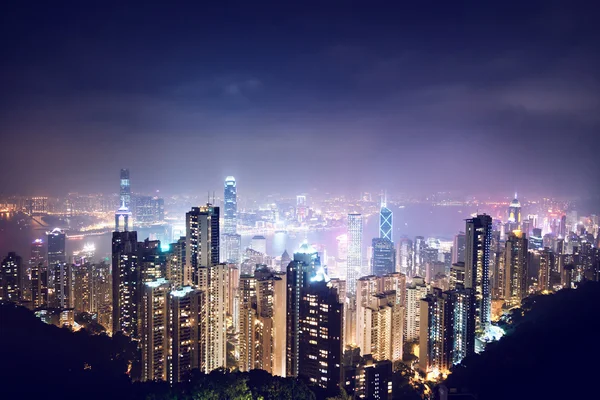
x,y
344,320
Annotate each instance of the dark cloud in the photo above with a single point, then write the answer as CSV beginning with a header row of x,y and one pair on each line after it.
x,y
469,96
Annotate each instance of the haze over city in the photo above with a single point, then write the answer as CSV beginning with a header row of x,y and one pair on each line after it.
x,y
405,97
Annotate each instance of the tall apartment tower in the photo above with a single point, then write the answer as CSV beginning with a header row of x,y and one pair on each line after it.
x,y
154,330
515,268
355,257
478,236
202,241
10,278
126,283
412,321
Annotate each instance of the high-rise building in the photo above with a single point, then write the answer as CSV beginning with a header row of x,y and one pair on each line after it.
x,y
305,266
515,267
320,341
447,329
412,321
126,281
259,243
366,288
384,257
230,206
214,281
58,270
202,241
154,330
125,191
547,270
125,215
458,248
56,247
247,290
10,278
82,287
477,266
39,285
152,260
514,211
385,222
232,244
369,380
185,316
419,256
354,265
404,259
175,262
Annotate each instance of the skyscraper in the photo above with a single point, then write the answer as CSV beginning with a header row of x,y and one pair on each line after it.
x,y
477,266
10,278
125,192
154,330
59,275
515,268
404,258
385,222
185,314
354,266
412,321
299,272
126,281
202,241
514,211
320,341
230,207
458,248
384,257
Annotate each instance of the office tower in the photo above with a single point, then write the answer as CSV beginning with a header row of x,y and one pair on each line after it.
x,y
123,214
202,241
247,290
536,242
477,266
185,315
301,208
259,244
414,293
126,281
232,244
214,281
305,266
458,248
59,272
384,257
447,329
515,266
152,261
385,222
230,206
354,265
514,211
320,341
154,330
285,260
10,278
547,270
175,262
419,256
125,192
405,257
144,210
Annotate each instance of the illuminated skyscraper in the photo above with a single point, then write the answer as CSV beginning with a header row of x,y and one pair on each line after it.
x,y
126,281
412,322
354,266
515,268
404,258
547,269
123,214
58,270
477,266
202,241
10,278
154,330
230,207
514,211
125,192
447,329
247,326
175,262
385,222
458,248
384,257
185,316
320,341
304,268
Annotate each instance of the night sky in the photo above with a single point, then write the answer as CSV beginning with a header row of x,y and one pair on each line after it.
x,y
335,96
